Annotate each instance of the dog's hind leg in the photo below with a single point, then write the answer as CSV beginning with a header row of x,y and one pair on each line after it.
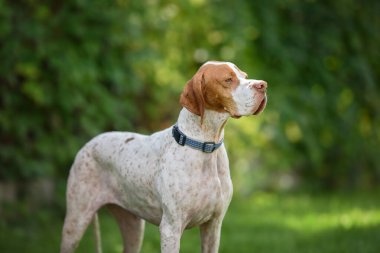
x,y
84,197
131,227
73,230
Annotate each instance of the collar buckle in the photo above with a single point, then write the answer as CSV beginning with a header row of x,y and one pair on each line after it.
x,y
182,139
208,147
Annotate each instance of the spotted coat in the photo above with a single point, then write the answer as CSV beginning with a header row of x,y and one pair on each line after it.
x,y
140,177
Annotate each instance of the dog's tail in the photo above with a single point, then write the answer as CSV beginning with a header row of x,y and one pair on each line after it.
x,y
98,239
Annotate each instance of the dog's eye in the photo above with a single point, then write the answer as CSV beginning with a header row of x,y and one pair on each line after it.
x,y
228,80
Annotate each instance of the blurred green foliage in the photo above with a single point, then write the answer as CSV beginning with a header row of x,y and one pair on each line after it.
x,y
72,69
323,120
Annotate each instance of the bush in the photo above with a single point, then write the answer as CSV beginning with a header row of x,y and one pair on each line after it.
x,y
73,69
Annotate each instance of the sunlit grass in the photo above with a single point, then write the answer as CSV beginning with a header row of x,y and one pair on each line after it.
x,y
302,223
261,223
315,214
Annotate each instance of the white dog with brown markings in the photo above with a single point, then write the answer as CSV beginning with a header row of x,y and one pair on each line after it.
x,y
177,178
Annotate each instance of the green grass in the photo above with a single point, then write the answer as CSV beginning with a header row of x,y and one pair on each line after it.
x,y
272,223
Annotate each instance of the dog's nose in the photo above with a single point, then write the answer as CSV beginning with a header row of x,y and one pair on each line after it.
x,y
259,85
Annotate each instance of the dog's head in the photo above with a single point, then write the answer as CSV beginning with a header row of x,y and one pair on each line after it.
x,y
223,87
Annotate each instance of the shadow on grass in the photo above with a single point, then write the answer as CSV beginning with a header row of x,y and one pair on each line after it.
x,y
355,240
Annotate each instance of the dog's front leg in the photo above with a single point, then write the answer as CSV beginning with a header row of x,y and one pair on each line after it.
x,y
170,231
210,235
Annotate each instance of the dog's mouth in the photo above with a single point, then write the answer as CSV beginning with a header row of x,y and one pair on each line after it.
x,y
259,109
261,106
236,116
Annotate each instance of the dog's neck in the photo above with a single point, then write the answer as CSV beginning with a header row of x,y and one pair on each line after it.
x,y
212,128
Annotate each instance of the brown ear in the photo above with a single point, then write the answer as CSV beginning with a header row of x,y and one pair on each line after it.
x,y
192,96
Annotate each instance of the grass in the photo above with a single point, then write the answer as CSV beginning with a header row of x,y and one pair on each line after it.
x,y
301,223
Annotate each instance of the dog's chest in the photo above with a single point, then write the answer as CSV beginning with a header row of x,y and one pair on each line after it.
x,y
204,201
200,188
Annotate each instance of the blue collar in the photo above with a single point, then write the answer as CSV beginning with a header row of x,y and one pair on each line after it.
x,y
182,139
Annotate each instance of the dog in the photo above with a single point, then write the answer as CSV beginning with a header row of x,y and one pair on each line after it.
x,y
177,178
